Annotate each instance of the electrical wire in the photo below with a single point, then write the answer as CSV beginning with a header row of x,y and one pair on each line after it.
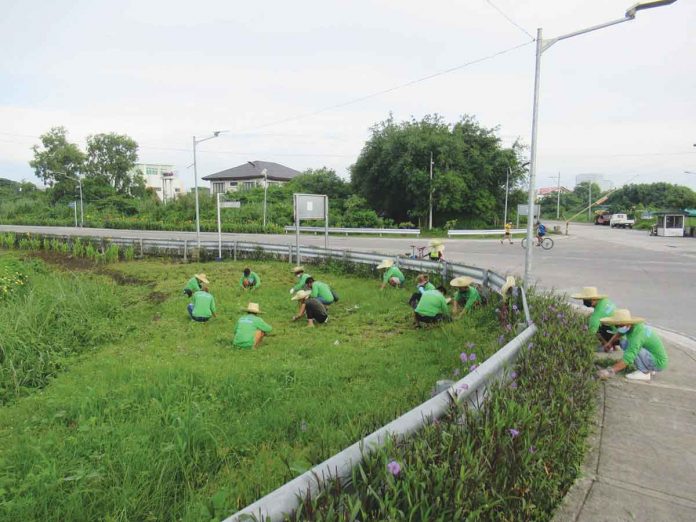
x,y
509,19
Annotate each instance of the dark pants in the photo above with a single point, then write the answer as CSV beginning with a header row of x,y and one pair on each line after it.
x,y
315,310
430,320
415,298
199,319
188,292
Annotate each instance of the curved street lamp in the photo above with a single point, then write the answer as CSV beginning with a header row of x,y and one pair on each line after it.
x,y
195,182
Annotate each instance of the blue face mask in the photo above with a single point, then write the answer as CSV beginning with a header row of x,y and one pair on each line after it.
x,y
623,329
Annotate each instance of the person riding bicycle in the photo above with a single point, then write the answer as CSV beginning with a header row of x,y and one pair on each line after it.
x,y
541,232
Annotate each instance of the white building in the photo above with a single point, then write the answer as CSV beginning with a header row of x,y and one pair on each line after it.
x,y
599,179
162,179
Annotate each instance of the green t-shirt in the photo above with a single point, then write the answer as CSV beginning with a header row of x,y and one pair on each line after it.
x,y
393,272
301,282
427,286
471,296
322,290
203,304
431,303
193,285
254,280
604,308
643,336
246,328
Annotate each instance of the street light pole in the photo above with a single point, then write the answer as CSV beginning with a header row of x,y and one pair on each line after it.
x,y
265,192
195,184
541,46
430,216
558,200
77,178
507,184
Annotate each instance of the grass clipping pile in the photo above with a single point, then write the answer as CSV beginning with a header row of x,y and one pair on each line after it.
x,y
514,459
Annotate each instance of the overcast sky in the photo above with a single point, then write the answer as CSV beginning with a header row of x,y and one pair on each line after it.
x,y
620,101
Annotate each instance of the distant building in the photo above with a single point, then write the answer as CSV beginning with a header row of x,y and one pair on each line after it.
x,y
162,179
599,179
249,175
548,191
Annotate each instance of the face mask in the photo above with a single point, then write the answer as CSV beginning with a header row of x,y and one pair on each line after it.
x,y
623,329
587,303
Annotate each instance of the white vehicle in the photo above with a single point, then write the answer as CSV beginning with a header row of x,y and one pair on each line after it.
x,y
621,221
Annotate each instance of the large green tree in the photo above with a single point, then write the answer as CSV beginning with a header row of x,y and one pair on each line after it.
x,y
56,159
652,195
111,157
469,170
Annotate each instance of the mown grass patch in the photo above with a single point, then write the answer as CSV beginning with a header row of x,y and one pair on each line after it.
x,y
170,422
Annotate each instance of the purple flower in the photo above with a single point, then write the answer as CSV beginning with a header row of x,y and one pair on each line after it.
x,y
470,345
463,357
584,328
560,316
501,339
513,375
513,432
513,385
529,346
532,449
473,367
456,372
462,387
472,357
394,468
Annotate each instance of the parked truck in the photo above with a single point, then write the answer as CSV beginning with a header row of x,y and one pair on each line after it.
x,y
602,217
621,221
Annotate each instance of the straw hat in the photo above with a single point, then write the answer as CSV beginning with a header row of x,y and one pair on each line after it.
x,y
440,248
588,292
298,269
300,295
509,283
386,263
461,282
201,277
252,308
436,242
622,316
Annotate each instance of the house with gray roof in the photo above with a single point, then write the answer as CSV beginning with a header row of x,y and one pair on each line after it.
x,y
249,175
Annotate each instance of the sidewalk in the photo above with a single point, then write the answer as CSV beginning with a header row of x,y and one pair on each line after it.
x,y
642,464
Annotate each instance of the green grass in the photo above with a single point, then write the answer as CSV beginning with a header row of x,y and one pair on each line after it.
x,y
162,419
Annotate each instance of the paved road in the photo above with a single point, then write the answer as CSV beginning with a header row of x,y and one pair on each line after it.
x,y
653,276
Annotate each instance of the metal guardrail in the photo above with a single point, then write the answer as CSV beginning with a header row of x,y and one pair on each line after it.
x,y
487,232
472,388
347,230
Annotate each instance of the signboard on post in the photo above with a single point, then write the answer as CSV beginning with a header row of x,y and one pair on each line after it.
x,y
223,204
523,210
310,206
230,204
73,205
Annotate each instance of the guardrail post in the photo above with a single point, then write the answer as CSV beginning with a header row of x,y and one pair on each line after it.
x,y
485,278
185,250
235,250
444,270
290,254
142,251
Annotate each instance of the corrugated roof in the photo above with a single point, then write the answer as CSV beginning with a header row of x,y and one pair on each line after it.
x,y
253,170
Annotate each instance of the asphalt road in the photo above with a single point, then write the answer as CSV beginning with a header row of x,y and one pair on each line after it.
x,y
654,277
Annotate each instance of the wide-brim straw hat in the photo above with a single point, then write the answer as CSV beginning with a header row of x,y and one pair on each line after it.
x,y
386,263
252,308
201,277
509,283
301,294
461,282
622,316
436,242
588,292
297,269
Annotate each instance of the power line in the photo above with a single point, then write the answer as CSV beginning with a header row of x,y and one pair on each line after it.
x,y
509,19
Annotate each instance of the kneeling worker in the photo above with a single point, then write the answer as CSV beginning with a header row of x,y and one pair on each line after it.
x,y
423,284
194,284
203,306
467,296
301,279
250,280
250,328
392,276
311,307
602,307
432,307
644,349
322,291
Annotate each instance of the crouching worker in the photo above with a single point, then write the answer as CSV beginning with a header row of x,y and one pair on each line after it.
x,y
321,291
602,307
432,307
392,275
644,349
311,307
250,328
423,284
203,306
301,276
194,284
467,296
250,280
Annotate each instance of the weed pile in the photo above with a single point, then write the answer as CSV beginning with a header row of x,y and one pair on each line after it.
x,y
512,459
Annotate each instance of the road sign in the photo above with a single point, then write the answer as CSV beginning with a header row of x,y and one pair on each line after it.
x,y
230,204
72,204
310,206
523,210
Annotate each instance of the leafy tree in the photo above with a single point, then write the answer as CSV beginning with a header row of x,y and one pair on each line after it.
x,y
57,160
652,195
469,170
321,181
111,158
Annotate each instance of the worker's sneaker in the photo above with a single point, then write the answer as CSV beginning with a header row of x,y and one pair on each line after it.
x,y
638,376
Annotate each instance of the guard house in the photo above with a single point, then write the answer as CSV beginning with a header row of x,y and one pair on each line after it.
x,y
670,223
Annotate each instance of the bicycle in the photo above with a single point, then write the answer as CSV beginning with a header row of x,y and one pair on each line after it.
x,y
546,243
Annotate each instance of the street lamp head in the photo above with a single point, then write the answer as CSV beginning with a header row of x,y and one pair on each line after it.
x,y
631,12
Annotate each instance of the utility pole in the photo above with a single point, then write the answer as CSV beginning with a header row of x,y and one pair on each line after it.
x,y
430,218
558,201
589,202
507,184
265,192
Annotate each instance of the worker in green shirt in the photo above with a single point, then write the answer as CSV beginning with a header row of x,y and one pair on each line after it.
x,y
602,307
250,280
301,279
643,347
202,308
423,284
392,275
322,291
310,307
466,296
432,307
194,284
250,329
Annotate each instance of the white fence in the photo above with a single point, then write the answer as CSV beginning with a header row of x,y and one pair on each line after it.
x,y
488,232
346,230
